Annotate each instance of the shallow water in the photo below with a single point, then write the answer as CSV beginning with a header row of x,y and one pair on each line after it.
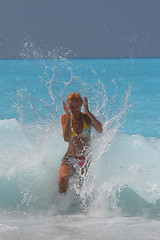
x,y
79,227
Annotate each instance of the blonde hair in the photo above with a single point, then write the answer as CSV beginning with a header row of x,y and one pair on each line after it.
x,y
74,96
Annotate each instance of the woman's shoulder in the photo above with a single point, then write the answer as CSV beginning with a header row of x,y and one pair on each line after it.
x,y
63,118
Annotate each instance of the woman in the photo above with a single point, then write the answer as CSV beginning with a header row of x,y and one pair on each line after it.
x,y
76,131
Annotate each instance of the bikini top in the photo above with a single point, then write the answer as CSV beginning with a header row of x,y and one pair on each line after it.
x,y
86,132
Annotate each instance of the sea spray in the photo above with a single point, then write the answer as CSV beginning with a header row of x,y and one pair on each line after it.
x,y
97,192
124,178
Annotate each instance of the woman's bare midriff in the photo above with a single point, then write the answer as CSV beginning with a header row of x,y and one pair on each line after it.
x,y
78,147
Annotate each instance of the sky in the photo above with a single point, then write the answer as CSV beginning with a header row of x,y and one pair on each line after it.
x,y
79,28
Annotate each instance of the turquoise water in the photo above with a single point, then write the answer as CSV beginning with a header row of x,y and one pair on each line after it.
x,y
120,197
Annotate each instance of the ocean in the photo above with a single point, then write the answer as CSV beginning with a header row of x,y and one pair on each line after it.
x,y
120,195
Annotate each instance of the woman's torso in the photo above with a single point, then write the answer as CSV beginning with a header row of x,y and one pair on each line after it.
x,y
79,142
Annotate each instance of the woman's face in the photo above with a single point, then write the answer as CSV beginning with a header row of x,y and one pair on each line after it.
x,y
75,107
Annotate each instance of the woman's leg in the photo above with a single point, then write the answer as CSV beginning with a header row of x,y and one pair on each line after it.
x,y
66,171
63,178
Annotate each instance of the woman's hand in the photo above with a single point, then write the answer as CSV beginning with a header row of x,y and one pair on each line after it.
x,y
94,121
85,103
66,109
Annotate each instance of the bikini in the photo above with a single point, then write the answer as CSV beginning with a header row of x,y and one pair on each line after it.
x,y
77,163
86,132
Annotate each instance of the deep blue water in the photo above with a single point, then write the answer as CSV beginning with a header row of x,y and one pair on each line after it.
x,y
36,81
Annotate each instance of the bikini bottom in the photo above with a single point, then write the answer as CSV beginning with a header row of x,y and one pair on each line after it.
x,y
77,163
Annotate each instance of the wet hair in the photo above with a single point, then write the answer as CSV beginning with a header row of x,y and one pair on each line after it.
x,y
74,96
